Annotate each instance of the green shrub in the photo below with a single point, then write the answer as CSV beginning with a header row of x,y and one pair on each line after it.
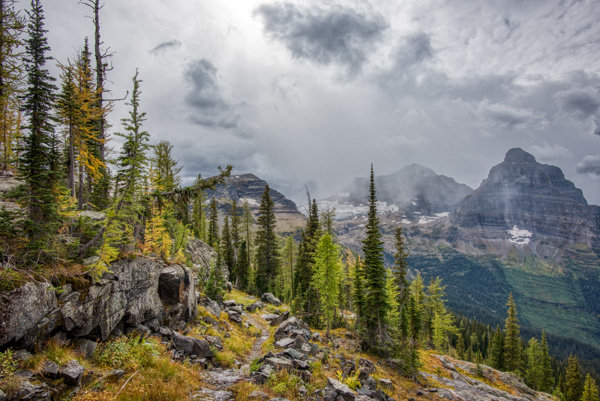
x,y
8,365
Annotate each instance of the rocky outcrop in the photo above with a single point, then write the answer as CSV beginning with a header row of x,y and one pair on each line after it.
x,y
25,310
136,293
203,256
467,384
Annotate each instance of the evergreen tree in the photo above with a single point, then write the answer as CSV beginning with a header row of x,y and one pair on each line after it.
x,y
215,285
267,253
497,352
590,390
235,225
574,386
547,374
39,158
376,300
326,278
306,296
359,292
512,351
400,270
213,225
243,268
227,250
414,317
533,372
327,217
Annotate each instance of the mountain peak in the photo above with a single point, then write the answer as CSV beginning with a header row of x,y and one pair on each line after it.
x,y
417,169
518,155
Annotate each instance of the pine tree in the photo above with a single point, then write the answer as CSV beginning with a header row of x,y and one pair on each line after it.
x,y
235,225
497,352
213,225
215,285
243,268
400,270
326,278
573,384
306,296
376,300
414,317
590,390
533,371
227,250
512,353
547,374
267,253
39,159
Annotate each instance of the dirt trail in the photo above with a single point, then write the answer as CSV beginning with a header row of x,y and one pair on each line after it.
x,y
221,380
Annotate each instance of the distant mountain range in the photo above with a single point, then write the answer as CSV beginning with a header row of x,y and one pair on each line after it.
x,y
526,230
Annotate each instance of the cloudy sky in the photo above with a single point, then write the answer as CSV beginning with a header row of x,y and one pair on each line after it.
x,y
302,92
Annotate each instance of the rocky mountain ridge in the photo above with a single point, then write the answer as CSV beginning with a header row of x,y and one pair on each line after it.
x,y
250,188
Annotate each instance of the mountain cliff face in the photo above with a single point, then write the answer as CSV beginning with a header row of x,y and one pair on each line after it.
x,y
248,187
524,201
412,189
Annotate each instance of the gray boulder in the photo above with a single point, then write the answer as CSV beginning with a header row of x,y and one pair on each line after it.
x,y
192,345
254,306
270,298
339,389
72,372
213,307
177,291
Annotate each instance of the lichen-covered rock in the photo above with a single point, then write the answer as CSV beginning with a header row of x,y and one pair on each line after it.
x,y
22,312
203,256
128,294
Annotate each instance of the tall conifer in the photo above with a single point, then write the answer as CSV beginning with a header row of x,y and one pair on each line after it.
x,y
512,352
375,273
267,253
39,159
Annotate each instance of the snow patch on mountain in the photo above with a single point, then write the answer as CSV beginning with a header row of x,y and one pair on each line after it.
x,y
518,236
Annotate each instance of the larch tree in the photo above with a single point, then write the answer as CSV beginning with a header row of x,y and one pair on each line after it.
x,y
39,158
590,390
267,251
123,218
326,278
359,292
11,71
101,190
376,300
512,350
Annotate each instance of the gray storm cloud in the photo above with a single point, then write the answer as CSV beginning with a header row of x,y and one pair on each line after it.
x,y
205,97
589,165
339,35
